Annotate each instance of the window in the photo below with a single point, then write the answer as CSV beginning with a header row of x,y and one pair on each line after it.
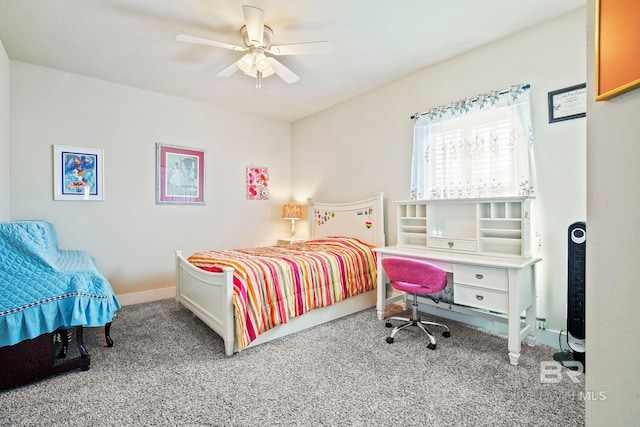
x,y
475,148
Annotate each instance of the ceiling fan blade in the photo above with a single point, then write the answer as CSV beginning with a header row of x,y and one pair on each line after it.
x,y
301,48
285,74
229,70
207,42
254,20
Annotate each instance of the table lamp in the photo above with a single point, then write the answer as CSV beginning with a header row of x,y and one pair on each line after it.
x,y
292,212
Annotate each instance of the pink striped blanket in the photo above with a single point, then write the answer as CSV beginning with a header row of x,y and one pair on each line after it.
x,y
274,284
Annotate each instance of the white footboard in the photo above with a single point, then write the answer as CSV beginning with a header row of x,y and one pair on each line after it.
x,y
209,296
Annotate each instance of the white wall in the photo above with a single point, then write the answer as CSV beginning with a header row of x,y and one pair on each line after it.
x,y
364,145
613,245
132,238
5,161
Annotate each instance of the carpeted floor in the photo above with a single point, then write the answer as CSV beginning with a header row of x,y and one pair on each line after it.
x,y
167,368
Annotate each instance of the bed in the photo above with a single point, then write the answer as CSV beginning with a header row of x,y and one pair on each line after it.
x,y
326,277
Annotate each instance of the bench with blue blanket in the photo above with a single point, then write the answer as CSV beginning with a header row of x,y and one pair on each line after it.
x,y
44,289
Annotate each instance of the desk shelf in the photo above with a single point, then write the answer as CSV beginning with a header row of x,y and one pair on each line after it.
x,y
496,227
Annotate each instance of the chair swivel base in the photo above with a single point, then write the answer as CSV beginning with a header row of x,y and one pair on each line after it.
x,y
419,323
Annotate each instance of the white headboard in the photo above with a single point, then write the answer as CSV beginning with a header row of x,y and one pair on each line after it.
x,y
363,219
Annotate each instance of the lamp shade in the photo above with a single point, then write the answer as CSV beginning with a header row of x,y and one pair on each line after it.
x,y
291,211
245,63
262,63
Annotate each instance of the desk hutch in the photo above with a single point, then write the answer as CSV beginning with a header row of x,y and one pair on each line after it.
x,y
485,245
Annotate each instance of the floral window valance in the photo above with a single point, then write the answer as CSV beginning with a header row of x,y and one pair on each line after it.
x,y
480,147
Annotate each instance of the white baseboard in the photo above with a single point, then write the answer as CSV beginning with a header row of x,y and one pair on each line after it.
x,y
146,296
551,338
543,336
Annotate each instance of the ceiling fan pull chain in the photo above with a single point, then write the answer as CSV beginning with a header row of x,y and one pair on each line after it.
x,y
258,79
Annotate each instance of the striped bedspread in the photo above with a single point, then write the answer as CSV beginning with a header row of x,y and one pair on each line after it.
x,y
276,283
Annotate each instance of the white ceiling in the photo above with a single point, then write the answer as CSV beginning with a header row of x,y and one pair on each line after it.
x,y
373,42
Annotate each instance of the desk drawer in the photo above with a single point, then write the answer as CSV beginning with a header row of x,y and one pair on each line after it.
x,y
466,245
484,277
487,299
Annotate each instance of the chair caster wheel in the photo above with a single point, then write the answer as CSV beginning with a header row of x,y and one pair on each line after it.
x,y
388,324
446,334
389,340
431,346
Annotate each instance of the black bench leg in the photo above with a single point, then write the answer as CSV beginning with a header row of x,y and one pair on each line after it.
x,y
64,339
107,330
81,348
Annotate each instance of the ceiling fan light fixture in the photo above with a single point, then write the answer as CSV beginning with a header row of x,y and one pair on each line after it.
x,y
251,72
246,63
262,63
253,63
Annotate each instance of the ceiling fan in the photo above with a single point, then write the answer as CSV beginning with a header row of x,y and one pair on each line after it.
x,y
257,43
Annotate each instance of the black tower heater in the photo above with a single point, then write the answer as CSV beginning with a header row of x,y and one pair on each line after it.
x,y
577,240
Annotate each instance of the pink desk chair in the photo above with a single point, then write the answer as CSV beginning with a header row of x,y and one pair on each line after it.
x,y
416,278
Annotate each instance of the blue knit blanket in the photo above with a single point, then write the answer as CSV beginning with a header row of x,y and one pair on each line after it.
x,y
43,288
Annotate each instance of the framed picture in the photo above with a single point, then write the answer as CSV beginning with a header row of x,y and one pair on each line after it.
x,y
257,183
179,175
78,173
568,103
617,47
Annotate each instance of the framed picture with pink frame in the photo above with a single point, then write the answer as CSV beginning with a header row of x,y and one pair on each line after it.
x,y
180,175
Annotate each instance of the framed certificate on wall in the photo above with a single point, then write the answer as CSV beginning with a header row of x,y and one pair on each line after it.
x,y
568,103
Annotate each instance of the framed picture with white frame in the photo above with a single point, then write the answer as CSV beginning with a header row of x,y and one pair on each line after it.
x,y
78,173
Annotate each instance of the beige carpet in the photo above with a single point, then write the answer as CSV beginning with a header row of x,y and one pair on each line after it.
x,y
167,368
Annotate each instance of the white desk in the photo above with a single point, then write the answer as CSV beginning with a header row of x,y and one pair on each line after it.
x,y
493,284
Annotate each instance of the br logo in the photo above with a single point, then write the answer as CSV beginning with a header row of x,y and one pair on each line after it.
x,y
551,372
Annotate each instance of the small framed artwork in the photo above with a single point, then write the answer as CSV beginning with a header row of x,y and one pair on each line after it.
x,y
617,44
179,175
568,103
78,173
257,183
